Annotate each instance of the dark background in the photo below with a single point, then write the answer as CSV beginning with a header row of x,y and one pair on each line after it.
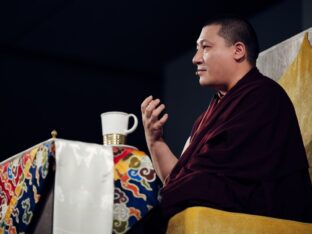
x,y
63,63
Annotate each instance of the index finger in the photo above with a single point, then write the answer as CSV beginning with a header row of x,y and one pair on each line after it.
x,y
146,102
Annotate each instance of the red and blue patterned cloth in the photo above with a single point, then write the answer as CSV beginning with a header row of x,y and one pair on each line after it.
x,y
136,187
22,182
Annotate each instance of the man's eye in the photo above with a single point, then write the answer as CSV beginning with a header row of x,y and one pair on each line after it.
x,y
206,46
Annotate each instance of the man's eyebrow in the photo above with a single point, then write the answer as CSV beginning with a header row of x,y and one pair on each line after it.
x,y
201,41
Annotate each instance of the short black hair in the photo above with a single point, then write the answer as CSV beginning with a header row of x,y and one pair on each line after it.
x,y
236,29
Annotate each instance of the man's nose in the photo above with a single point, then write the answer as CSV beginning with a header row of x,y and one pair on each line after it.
x,y
198,58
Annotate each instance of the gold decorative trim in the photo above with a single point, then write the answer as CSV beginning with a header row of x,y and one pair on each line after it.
x,y
114,139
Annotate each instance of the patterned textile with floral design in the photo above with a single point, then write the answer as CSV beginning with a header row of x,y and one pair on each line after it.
x,y
21,184
136,187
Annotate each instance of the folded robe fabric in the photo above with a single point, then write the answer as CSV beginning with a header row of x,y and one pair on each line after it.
x,y
247,157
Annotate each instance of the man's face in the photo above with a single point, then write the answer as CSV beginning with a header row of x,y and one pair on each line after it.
x,y
214,58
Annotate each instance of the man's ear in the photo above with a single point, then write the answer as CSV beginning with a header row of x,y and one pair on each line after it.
x,y
240,52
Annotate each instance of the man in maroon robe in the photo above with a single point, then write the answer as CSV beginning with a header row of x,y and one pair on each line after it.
x,y
245,153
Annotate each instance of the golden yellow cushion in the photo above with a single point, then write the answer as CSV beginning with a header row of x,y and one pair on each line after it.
x,y
204,220
297,82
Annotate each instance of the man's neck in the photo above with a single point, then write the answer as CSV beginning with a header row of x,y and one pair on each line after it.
x,y
240,72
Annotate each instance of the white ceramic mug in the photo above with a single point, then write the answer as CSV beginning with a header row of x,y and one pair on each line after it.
x,y
115,126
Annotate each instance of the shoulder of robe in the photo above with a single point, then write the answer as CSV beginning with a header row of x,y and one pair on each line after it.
x,y
269,90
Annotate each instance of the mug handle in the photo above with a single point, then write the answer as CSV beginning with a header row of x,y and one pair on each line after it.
x,y
135,124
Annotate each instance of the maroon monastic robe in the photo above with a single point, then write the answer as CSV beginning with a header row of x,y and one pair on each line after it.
x,y
246,156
